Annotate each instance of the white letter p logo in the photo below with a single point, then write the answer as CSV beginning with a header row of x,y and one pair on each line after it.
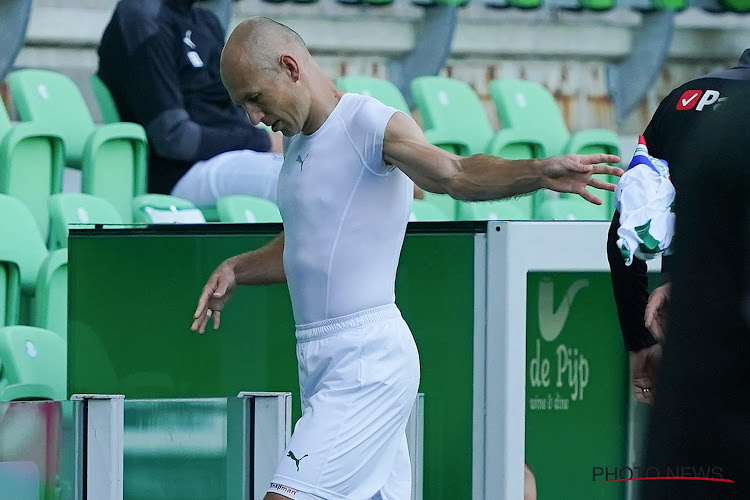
x,y
710,97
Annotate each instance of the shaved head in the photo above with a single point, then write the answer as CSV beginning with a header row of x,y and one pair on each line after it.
x,y
261,41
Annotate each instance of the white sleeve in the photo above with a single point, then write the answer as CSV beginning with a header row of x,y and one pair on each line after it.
x,y
367,131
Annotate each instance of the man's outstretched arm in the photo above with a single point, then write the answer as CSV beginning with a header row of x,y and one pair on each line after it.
x,y
484,177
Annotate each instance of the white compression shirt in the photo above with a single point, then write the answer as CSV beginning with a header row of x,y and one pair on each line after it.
x,y
345,213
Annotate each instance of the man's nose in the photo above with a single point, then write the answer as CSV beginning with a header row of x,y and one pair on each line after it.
x,y
255,114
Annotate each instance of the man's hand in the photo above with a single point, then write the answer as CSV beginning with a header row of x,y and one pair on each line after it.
x,y
216,293
572,173
656,311
643,365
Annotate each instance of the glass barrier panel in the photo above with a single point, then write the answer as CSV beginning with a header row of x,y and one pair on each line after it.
x,y
180,449
37,450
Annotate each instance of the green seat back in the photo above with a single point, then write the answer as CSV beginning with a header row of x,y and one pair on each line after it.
x,y
452,110
382,90
21,242
52,98
51,296
107,106
510,209
424,211
31,166
34,364
529,107
571,207
165,209
247,209
77,208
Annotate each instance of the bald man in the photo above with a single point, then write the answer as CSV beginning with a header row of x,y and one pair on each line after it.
x,y
345,194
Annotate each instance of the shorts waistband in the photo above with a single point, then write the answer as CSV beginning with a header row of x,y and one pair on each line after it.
x,y
328,327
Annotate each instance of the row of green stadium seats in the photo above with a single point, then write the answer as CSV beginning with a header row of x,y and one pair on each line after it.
x,y
738,6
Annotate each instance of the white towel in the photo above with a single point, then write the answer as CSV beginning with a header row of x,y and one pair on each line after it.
x,y
644,197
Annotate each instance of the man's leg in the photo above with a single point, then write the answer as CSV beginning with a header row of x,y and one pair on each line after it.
x,y
234,172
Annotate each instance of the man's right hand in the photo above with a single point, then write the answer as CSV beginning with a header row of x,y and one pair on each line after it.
x,y
216,293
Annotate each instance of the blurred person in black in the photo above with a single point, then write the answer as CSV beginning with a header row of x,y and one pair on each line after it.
x,y
160,61
674,126
701,418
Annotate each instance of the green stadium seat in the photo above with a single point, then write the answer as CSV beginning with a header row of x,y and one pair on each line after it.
x,y
21,243
509,209
247,209
23,255
50,309
382,90
107,106
34,364
113,157
424,211
528,106
529,109
165,209
570,207
31,164
77,208
452,116
455,120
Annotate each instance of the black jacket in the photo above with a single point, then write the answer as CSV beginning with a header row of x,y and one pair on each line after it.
x,y
160,61
674,122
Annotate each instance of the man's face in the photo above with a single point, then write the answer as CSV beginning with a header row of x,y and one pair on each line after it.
x,y
270,97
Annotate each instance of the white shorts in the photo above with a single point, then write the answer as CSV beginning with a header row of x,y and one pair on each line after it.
x,y
359,376
235,172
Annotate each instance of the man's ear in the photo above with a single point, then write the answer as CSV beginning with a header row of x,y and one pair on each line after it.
x,y
290,65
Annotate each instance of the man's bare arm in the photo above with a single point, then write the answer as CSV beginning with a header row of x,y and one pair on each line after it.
x,y
263,266
484,177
